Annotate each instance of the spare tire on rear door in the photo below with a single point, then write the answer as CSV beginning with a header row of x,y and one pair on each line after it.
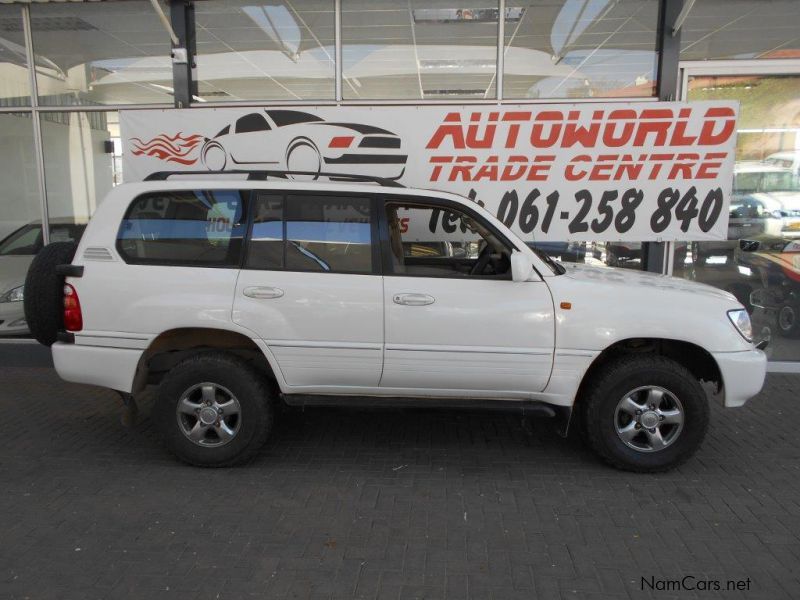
x,y
44,291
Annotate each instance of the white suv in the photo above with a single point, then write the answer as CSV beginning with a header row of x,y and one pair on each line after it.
x,y
233,296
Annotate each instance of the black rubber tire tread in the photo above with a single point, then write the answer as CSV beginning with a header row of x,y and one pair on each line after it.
x,y
620,376
248,385
44,292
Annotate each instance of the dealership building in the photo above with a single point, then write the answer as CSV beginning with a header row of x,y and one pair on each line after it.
x,y
70,70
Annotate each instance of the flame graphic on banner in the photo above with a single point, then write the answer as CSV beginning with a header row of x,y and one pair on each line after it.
x,y
175,148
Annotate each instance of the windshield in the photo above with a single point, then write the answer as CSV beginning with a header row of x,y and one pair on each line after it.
x,y
27,240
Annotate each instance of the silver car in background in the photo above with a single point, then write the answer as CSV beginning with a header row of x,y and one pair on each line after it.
x,y
16,254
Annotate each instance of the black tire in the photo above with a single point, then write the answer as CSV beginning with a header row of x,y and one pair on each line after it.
x,y
613,383
248,387
44,292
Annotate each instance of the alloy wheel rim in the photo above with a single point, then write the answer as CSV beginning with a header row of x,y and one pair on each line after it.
x,y
649,418
209,415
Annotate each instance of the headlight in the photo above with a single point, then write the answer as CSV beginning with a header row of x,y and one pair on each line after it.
x,y
13,295
741,320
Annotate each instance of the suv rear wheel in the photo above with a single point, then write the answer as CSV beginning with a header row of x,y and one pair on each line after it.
x,y
645,413
213,410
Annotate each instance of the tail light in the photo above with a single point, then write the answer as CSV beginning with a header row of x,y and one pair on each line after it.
x,y
73,318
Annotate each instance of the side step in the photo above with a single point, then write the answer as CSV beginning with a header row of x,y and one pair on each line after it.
x,y
528,408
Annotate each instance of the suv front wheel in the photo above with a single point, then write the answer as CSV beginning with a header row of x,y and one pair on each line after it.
x,y
213,410
645,413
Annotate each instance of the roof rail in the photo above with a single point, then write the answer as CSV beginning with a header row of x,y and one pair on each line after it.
x,y
264,175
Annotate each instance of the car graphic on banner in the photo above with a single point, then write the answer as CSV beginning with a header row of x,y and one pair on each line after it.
x,y
300,141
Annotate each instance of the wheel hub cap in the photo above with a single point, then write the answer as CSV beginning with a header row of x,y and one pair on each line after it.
x,y
649,418
208,414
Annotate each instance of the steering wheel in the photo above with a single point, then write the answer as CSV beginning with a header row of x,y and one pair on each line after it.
x,y
484,258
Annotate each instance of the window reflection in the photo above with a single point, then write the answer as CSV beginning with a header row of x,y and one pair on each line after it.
x,y
100,53
744,29
419,50
14,79
252,50
580,49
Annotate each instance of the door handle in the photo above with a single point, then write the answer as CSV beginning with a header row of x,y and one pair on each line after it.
x,y
263,293
413,299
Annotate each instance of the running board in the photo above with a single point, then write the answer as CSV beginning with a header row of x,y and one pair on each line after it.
x,y
528,408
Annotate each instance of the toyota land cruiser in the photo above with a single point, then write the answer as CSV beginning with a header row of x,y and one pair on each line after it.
x,y
233,296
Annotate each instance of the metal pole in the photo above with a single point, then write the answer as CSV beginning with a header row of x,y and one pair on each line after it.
x,y
37,126
501,47
656,255
183,53
337,45
165,22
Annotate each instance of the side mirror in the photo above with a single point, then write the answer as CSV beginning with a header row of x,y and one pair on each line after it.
x,y
749,245
521,267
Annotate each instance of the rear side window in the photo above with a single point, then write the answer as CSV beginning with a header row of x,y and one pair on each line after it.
x,y
192,227
305,232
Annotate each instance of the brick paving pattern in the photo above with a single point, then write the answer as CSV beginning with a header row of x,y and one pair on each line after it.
x,y
377,504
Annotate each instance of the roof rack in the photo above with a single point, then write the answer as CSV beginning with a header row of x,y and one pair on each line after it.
x,y
264,175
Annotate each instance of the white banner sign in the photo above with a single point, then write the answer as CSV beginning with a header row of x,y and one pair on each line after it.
x,y
636,171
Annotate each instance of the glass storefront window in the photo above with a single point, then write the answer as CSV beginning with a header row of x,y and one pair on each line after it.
x,y
434,50
100,53
79,162
265,50
760,261
580,49
725,29
20,217
15,89
20,202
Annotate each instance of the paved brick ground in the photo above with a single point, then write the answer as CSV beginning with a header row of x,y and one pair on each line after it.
x,y
412,504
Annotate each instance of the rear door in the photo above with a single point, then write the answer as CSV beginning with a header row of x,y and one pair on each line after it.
x,y
310,287
454,319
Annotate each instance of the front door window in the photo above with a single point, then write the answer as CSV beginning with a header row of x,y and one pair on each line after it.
x,y
435,241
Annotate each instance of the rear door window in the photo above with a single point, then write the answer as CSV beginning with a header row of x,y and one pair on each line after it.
x,y
310,232
189,227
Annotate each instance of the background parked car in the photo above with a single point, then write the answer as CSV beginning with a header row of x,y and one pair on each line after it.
x,y
775,188
789,160
16,253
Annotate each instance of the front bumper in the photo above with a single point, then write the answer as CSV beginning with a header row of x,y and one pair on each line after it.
x,y
12,319
743,375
